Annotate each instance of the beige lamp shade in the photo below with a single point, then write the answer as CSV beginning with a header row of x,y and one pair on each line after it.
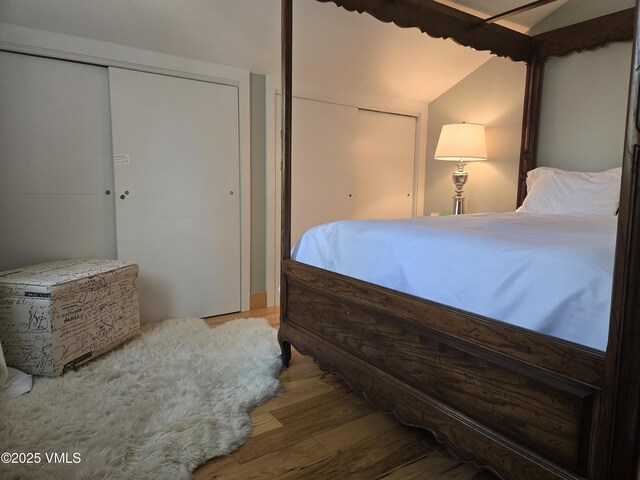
x,y
462,142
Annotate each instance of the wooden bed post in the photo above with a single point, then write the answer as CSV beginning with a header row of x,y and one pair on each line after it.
x,y
285,165
531,116
618,442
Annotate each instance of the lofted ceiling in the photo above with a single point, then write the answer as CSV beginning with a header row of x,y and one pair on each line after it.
x,y
332,47
521,22
356,50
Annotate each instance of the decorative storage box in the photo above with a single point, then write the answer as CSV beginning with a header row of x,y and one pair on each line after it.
x,y
57,315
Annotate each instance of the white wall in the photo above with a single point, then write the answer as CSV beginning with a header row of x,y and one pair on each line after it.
x,y
584,96
493,95
583,109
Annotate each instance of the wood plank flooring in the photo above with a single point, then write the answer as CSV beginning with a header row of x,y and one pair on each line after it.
x,y
319,429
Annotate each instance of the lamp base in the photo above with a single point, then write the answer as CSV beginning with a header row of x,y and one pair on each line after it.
x,y
458,205
459,179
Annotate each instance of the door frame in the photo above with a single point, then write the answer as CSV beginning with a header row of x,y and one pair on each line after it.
x,y
317,92
30,41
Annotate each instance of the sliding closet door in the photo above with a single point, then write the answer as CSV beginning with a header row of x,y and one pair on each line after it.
x,y
55,161
385,160
349,163
323,146
176,163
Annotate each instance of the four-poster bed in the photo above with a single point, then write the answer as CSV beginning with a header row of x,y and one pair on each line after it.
x,y
524,405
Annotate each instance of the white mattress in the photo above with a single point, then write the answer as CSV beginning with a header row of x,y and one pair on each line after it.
x,y
548,273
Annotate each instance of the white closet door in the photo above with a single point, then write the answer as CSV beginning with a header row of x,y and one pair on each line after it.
x,y
323,149
385,160
176,163
55,161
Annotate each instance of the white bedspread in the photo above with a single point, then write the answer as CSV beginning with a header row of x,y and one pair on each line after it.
x,y
549,273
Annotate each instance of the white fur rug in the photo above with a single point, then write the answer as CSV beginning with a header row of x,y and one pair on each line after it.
x,y
154,409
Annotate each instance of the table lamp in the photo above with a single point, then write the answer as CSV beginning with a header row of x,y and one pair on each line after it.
x,y
462,143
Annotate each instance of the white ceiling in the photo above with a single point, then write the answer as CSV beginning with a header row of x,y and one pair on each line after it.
x,y
521,21
333,47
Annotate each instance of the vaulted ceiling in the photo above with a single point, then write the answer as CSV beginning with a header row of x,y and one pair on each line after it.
x,y
521,22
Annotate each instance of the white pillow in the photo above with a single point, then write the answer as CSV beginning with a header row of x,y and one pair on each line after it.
x,y
551,190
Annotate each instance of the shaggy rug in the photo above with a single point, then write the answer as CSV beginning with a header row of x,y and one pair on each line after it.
x,y
155,408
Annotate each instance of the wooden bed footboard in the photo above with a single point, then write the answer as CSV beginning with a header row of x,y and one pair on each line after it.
x,y
516,402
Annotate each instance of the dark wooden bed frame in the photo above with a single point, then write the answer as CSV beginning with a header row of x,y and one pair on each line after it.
x,y
522,404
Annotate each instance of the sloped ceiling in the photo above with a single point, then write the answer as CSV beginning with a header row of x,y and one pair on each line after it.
x,y
332,47
521,22
354,50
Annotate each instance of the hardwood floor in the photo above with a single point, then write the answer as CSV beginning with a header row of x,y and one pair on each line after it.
x,y
319,429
